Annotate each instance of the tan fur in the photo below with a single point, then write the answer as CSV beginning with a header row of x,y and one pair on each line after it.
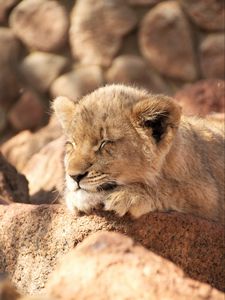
x,y
158,159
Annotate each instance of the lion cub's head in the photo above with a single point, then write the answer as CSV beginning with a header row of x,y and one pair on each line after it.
x,y
116,135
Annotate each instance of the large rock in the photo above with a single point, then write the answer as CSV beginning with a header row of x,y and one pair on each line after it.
x,y
202,97
13,186
40,24
111,266
39,157
35,237
46,186
97,28
78,82
19,149
132,70
207,14
41,69
28,112
212,56
166,42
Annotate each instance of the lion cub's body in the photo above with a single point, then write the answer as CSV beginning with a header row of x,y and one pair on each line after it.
x,y
133,152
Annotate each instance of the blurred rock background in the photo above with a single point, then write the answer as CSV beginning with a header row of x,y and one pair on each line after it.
x,y
50,48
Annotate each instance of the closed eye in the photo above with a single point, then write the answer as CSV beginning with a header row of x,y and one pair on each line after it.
x,y
103,143
69,145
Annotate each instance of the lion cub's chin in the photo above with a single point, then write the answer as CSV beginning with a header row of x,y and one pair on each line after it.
x,y
81,200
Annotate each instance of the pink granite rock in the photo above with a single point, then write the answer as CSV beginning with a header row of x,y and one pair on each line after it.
x,y
111,266
34,238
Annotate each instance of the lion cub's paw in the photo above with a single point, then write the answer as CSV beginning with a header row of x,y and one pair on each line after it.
x,y
118,202
81,201
70,203
129,200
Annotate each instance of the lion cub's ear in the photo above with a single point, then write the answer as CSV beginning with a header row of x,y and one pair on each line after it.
x,y
64,110
157,113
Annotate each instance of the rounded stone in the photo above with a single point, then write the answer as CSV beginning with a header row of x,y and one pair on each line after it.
x,y
40,69
133,70
28,112
78,82
97,28
202,97
22,147
166,42
45,187
40,24
207,14
212,59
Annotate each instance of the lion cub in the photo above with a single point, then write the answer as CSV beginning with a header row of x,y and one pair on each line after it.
x,y
133,152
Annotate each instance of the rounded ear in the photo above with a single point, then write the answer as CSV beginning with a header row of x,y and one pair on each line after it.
x,y
64,110
158,113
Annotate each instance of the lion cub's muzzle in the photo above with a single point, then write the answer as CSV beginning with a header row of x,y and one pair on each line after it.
x,y
107,186
78,177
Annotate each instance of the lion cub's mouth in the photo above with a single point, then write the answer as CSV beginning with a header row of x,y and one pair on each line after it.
x,y
108,186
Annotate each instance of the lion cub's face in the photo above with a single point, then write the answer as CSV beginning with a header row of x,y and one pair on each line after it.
x,y
116,136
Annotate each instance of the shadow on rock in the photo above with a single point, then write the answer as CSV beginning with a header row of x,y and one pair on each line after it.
x,y
34,238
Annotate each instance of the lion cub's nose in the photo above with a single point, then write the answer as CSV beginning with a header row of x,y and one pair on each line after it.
x,y
78,177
